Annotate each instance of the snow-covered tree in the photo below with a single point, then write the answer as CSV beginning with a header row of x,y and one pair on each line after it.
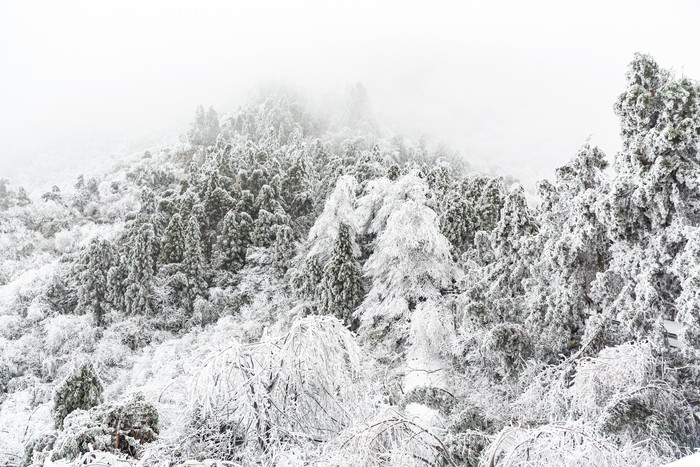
x,y
205,127
173,242
573,246
140,276
234,239
654,195
458,222
193,261
93,291
341,285
411,263
82,389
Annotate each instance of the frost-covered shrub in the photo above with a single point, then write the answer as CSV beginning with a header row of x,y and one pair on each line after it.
x,y
134,332
81,390
435,398
66,334
510,345
114,427
626,391
303,385
468,434
570,444
613,371
388,439
67,241
38,449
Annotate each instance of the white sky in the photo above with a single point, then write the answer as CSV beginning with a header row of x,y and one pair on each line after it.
x,y
517,84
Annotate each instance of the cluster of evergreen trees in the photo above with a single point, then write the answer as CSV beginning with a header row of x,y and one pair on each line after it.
x,y
424,260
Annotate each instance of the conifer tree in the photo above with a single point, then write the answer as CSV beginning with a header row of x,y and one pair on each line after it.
x,y
117,281
173,243
93,290
305,280
458,222
653,198
341,285
81,390
263,229
572,248
233,241
193,261
267,200
283,248
140,279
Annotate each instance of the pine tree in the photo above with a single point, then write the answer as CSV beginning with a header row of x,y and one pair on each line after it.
x,y
173,242
283,248
653,198
267,200
193,261
81,390
232,243
263,229
140,277
93,291
458,222
488,208
306,279
411,264
341,285
117,281
572,248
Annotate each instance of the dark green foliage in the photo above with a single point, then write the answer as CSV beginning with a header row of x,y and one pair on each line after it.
x,y
121,427
511,345
173,242
193,262
458,222
140,277
93,292
81,390
263,229
233,241
305,280
341,286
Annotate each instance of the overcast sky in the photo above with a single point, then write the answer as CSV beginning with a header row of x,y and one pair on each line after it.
x,y
516,84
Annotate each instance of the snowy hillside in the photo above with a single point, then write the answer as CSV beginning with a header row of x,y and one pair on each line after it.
x,y
288,287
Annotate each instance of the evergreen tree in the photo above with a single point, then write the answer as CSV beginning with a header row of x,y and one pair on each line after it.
x,y
458,222
193,261
93,291
653,199
572,245
306,279
234,240
267,200
263,229
491,201
283,248
81,390
341,286
205,127
411,264
117,281
140,277
173,242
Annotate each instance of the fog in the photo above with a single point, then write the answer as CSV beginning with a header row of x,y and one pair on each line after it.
x,y
516,85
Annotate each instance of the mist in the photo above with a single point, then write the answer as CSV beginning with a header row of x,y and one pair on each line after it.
x,y
513,86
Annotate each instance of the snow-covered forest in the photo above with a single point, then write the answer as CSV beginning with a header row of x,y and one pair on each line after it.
x,y
287,286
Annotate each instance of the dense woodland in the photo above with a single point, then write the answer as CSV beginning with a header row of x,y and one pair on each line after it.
x,y
286,286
